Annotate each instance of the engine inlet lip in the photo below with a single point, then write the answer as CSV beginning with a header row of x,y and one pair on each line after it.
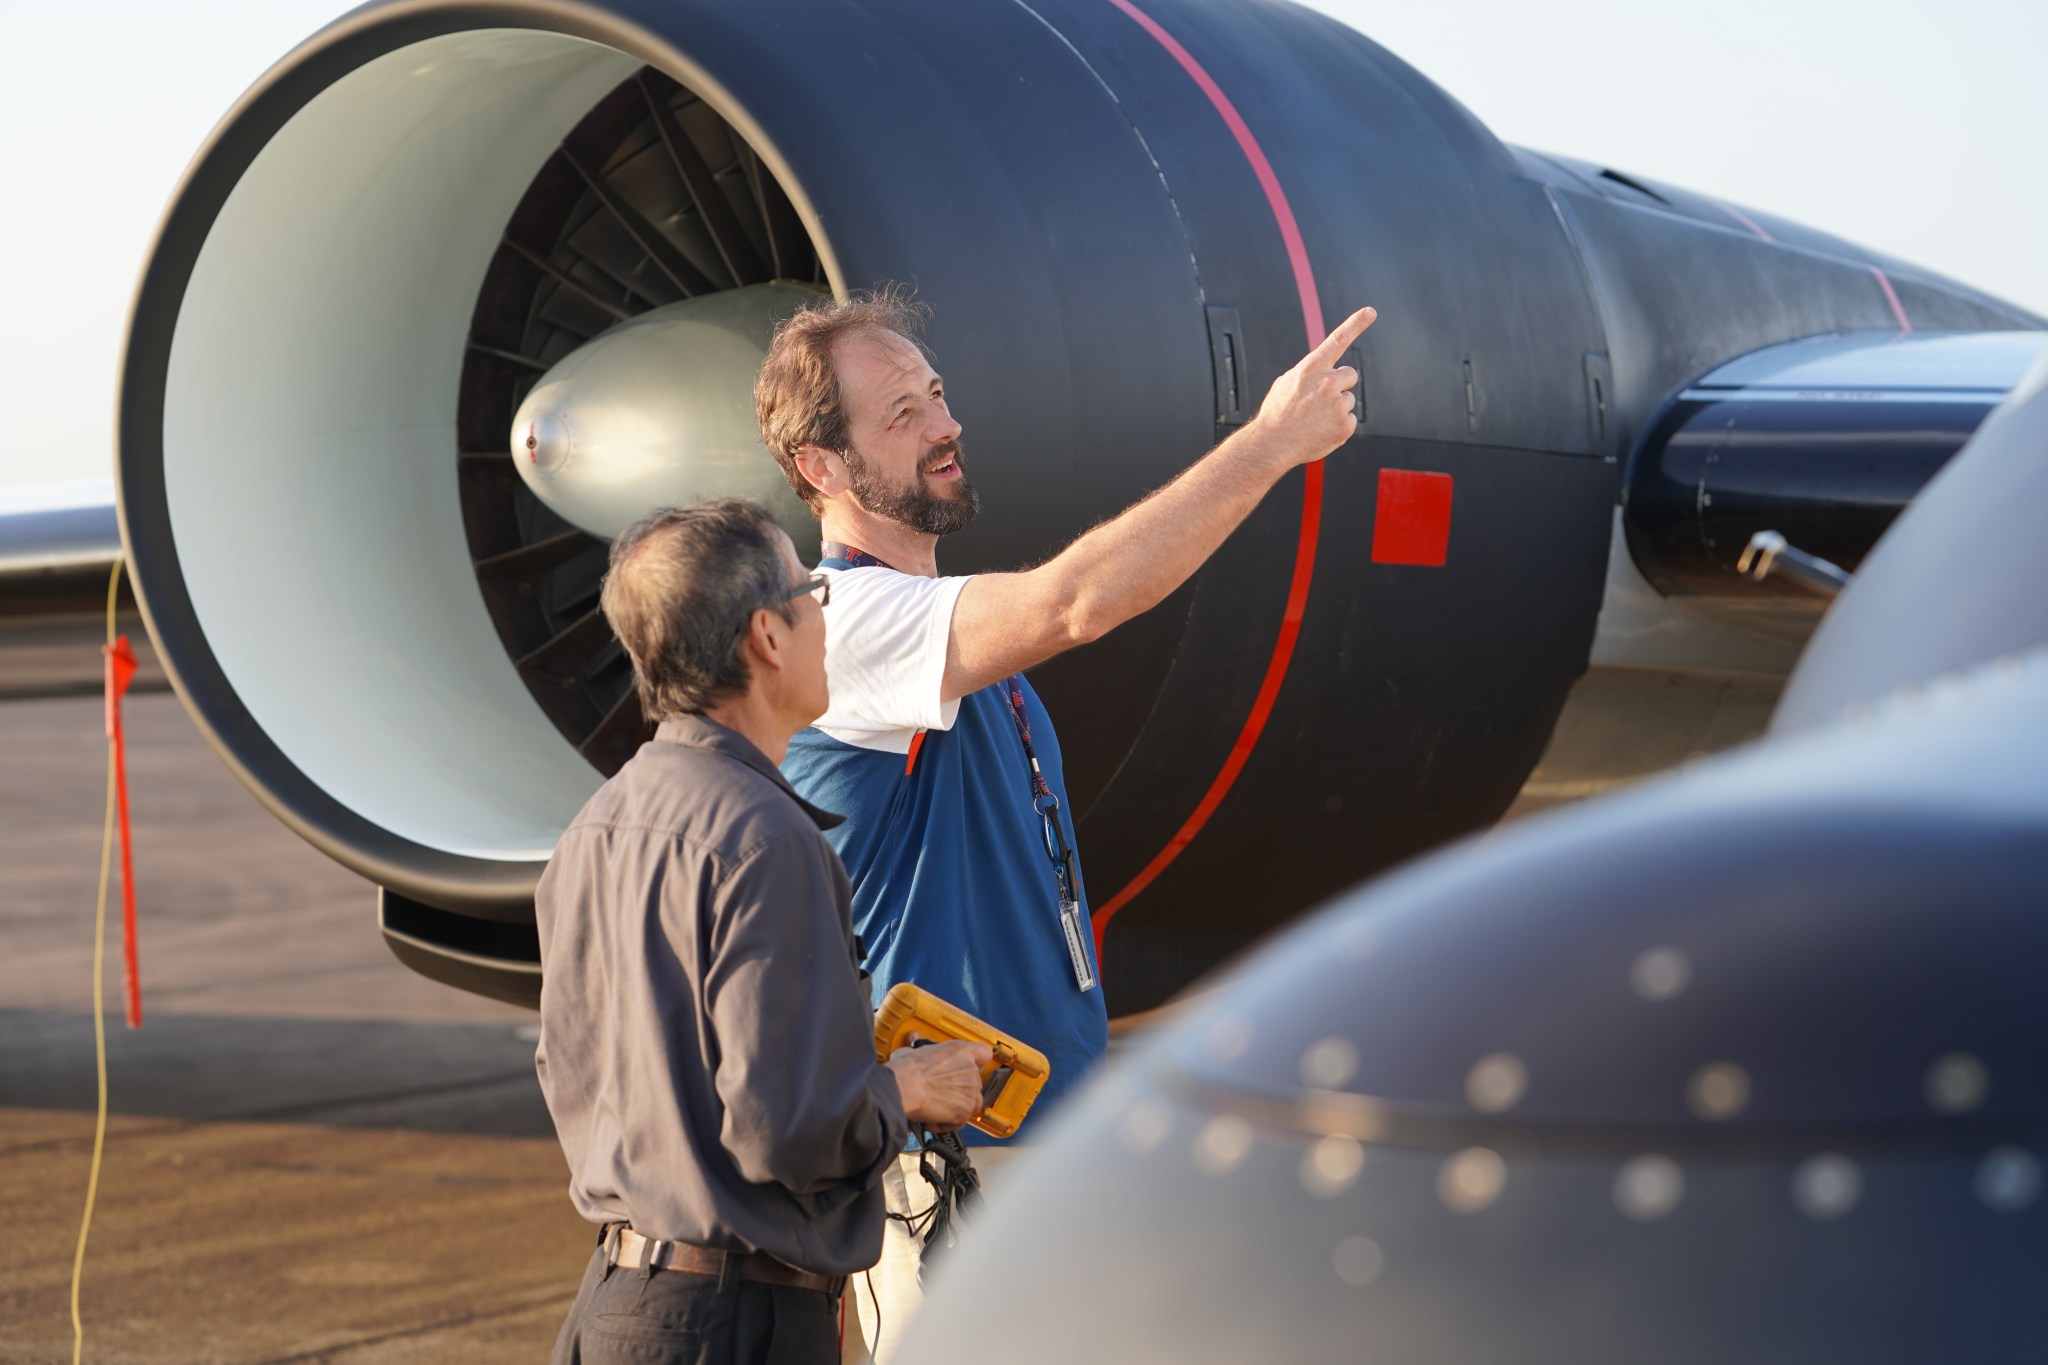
x,y
485,887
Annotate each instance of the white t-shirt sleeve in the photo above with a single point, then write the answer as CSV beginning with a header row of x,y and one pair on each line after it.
x,y
885,656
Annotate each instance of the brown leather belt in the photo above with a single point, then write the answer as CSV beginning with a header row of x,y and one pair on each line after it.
x,y
629,1249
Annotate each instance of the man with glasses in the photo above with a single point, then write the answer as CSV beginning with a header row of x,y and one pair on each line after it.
x,y
958,834
707,1047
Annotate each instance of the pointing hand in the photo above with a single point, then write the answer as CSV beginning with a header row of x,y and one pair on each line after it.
x,y
1311,409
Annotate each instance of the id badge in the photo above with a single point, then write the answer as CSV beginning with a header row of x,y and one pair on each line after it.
x,y
1077,943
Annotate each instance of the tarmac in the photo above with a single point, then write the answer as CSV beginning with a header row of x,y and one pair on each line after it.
x,y
312,1154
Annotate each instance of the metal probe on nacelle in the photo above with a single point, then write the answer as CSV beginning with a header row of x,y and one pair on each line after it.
x,y
1768,551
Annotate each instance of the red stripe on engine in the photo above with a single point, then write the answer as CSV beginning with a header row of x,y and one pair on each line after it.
x,y
1311,489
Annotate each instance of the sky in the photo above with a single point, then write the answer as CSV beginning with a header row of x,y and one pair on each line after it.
x,y
1916,129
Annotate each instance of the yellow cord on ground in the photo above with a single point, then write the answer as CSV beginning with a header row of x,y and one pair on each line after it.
x,y
99,1017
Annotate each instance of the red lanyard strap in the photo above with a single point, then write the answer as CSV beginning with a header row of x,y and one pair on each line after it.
x,y
1042,799
850,556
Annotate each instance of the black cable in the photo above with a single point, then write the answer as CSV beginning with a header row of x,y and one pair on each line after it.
x,y
958,1186
875,1346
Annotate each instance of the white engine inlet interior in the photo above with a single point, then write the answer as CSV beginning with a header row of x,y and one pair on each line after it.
x,y
310,442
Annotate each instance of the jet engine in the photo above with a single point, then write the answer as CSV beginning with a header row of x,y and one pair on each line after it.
x,y
440,249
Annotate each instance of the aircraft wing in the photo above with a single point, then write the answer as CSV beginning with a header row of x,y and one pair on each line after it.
x,y
59,543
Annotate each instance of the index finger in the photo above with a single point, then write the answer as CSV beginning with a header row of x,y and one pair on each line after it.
x,y
1345,332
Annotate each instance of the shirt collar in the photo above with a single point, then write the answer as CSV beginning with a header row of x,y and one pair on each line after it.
x,y
696,732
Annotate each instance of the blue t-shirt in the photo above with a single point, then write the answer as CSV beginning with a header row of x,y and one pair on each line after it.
x,y
953,889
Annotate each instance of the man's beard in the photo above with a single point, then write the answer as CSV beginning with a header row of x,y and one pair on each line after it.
x,y
916,505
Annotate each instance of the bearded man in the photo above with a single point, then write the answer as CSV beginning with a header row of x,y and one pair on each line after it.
x,y
958,836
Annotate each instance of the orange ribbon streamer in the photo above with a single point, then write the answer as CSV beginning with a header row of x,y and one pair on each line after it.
x,y
121,667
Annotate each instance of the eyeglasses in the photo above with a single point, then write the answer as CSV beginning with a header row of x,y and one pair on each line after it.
x,y
818,583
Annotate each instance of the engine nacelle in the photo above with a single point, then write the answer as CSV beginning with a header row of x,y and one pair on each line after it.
x,y
1127,217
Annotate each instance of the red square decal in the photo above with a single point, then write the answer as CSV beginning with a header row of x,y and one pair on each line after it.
x,y
1413,522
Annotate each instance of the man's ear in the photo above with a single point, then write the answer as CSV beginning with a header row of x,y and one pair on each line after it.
x,y
823,469
763,640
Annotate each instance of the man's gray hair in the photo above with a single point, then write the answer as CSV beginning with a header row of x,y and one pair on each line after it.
x,y
682,586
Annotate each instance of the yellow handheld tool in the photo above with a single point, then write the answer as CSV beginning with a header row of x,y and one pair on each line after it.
x,y
1010,1081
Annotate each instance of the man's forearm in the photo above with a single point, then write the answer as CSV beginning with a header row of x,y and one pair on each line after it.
x,y
1005,622
1130,563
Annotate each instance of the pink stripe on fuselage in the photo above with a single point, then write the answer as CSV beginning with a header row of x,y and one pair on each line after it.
x,y
1891,296
1739,216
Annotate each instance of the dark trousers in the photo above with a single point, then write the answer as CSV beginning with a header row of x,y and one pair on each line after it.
x,y
671,1317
